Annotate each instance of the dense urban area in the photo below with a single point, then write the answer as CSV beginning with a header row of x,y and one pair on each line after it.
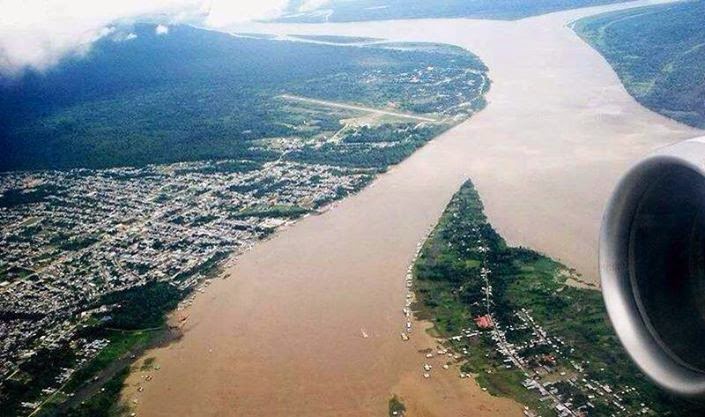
x,y
501,312
125,192
93,258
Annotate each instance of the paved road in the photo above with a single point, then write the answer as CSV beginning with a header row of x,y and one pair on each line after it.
x,y
358,108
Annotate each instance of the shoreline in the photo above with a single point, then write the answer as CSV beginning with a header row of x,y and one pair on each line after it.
x,y
333,274
501,309
545,47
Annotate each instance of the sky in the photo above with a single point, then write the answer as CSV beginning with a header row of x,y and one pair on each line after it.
x,y
39,33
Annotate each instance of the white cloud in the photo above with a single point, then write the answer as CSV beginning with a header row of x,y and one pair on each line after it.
x,y
38,33
227,12
161,29
121,36
311,5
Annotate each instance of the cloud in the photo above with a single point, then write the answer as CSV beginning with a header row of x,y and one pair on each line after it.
x,y
39,33
161,29
227,12
311,5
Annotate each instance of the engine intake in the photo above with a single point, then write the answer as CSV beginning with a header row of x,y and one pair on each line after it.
x,y
652,266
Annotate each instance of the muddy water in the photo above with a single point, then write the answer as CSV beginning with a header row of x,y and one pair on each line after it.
x,y
282,336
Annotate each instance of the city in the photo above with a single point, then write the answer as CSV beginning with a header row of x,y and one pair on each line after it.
x,y
81,248
352,208
106,231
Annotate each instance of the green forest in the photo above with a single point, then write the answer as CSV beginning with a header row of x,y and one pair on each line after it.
x,y
194,94
658,53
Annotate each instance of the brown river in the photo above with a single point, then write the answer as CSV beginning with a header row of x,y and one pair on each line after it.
x,y
283,334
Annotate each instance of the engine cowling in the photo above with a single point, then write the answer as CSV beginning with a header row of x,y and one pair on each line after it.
x,y
652,266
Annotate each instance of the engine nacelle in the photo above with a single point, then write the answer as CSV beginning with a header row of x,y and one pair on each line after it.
x,y
652,266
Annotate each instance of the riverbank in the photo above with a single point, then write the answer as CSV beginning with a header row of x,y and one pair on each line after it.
x,y
282,335
559,121
502,313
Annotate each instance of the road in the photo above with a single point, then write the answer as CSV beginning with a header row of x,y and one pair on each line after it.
x,y
357,108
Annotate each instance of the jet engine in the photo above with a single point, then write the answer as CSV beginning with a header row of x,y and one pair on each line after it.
x,y
652,266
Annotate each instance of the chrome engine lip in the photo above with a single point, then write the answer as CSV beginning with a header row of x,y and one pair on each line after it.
x,y
641,343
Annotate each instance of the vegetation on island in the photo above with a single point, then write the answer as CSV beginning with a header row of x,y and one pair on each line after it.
x,y
466,270
658,53
396,407
363,10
